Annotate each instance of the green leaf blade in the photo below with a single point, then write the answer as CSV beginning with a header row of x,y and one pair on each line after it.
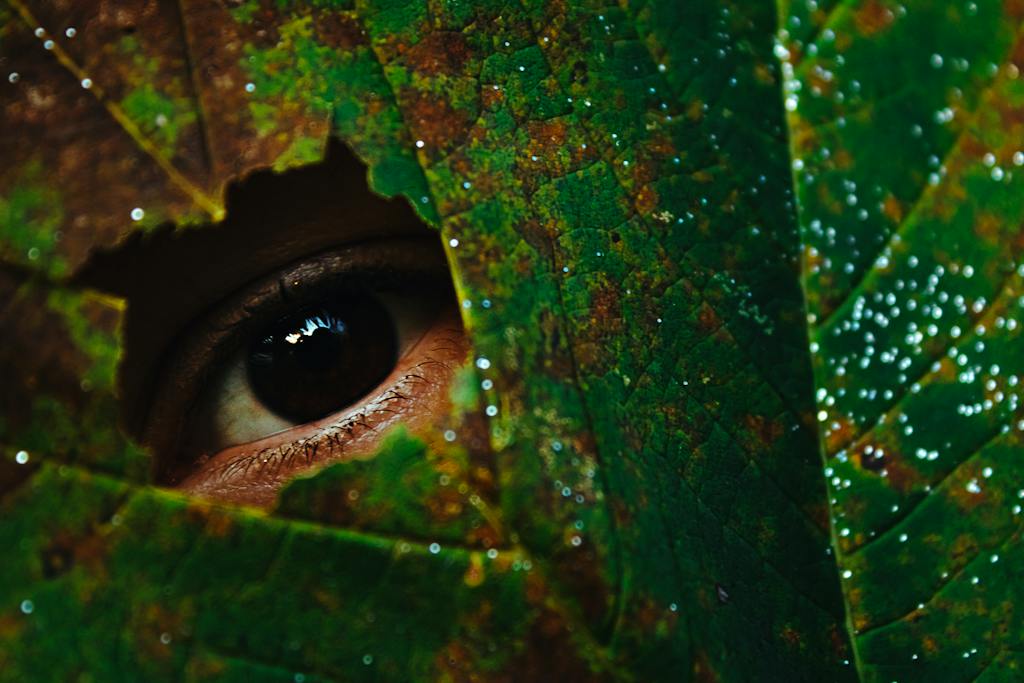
x,y
904,129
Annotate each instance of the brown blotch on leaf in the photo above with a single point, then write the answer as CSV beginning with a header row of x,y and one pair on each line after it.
x,y
895,470
66,550
216,523
767,431
990,228
441,52
341,30
433,120
702,669
547,138
605,311
1014,9
647,200
537,236
873,17
842,431
549,654
893,209
707,320
695,112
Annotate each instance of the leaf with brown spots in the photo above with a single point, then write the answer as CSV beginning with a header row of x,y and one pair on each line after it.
x,y
647,207
908,181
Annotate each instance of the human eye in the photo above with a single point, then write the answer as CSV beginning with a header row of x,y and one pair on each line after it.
x,y
308,366
324,339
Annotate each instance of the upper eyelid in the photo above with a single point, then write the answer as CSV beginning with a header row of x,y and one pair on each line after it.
x,y
300,282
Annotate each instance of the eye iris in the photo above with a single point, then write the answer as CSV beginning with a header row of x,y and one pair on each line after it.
x,y
322,358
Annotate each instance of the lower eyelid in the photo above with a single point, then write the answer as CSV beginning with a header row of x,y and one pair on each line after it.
x,y
252,473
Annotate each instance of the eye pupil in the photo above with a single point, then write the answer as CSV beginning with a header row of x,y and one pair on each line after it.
x,y
322,358
321,349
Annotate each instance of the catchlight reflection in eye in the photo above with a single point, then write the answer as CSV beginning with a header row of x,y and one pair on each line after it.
x,y
311,365
314,362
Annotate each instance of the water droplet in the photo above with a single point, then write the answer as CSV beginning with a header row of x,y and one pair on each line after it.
x,y
137,214
27,607
21,457
434,548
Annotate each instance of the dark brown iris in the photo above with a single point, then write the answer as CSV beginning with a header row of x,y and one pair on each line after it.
x,y
322,358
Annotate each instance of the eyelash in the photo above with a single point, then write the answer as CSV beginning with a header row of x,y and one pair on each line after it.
x,y
328,437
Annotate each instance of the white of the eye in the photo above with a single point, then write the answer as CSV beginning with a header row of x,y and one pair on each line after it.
x,y
235,414
411,318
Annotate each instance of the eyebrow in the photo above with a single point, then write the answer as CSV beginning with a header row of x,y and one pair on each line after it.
x,y
170,276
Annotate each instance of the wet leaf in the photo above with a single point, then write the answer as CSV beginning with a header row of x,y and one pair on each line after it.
x,y
625,201
906,129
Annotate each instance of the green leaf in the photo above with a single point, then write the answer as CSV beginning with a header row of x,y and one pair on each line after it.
x,y
699,247
906,130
